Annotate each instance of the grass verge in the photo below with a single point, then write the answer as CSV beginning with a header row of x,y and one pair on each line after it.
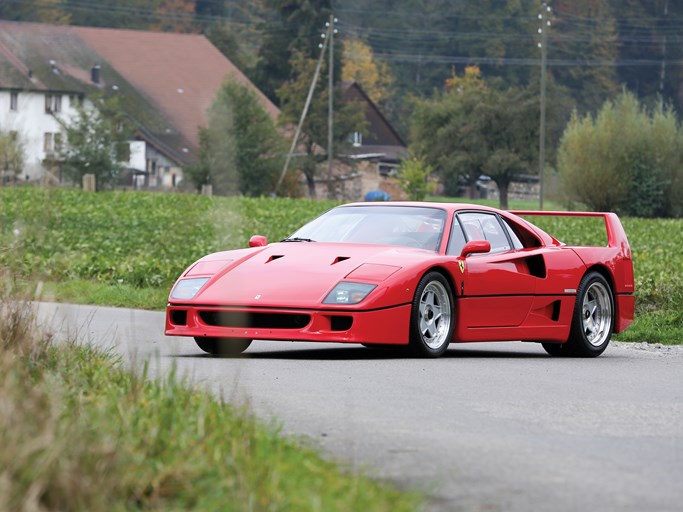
x,y
81,291
78,432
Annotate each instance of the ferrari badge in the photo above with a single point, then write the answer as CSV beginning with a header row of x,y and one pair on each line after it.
x,y
461,263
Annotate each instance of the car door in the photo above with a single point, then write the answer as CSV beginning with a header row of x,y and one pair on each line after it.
x,y
497,288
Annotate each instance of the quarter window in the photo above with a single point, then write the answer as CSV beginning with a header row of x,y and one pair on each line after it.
x,y
456,242
516,242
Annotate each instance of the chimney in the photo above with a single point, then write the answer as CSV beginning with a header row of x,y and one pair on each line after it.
x,y
95,74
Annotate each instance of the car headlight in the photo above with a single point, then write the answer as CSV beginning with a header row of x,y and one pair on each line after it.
x,y
348,293
188,288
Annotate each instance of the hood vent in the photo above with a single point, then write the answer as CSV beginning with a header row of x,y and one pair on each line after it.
x,y
339,259
274,257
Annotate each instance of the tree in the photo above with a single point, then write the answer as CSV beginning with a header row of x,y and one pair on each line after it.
x,y
174,16
348,117
626,159
96,142
586,31
45,11
241,150
360,66
12,156
474,128
296,30
440,133
223,38
414,178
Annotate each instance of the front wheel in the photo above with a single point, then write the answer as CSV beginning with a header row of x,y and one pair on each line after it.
x,y
593,319
225,347
432,316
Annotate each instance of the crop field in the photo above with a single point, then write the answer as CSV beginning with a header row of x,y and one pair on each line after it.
x,y
145,240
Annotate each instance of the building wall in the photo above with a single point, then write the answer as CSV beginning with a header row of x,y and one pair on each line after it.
x,y
162,172
32,122
351,183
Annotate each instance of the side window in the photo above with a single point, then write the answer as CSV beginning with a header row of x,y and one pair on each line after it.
x,y
516,242
485,226
456,241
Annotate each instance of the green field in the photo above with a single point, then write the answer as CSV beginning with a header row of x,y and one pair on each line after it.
x,y
127,248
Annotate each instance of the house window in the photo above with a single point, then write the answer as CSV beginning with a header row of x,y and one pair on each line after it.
x,y
48,142
58,142
356,139
14,100
53,103
151,167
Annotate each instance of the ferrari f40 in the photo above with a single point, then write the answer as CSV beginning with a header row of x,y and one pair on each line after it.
x,y
416,275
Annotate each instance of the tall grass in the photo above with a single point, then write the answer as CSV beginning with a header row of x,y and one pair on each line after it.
x,y
78,432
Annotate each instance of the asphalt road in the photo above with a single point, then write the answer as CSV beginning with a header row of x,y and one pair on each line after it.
x,y
489,427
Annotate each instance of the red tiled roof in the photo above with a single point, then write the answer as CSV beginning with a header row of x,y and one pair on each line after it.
x,y
161,64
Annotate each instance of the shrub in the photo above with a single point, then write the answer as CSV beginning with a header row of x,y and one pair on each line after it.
x,y
626,159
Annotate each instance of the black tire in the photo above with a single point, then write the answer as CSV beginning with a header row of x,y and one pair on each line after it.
x,y
432,317
592,321
223,347
558,349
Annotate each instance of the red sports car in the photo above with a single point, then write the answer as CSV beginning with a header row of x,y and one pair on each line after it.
x,y
420,275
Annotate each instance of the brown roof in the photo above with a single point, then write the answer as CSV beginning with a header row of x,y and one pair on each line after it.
x,y
171,78
161,64
379,131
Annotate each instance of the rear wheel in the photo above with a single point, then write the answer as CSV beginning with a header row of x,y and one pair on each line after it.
x,y
593,319
431,318
224,347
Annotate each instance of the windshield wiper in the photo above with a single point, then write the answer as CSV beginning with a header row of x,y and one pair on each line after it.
x,y
297,239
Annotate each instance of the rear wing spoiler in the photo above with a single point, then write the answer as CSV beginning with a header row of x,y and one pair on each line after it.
x,y
616,236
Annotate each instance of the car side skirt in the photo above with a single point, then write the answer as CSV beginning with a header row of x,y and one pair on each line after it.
x,y
548,318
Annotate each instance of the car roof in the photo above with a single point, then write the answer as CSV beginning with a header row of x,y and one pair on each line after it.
x,y
428,204
450,207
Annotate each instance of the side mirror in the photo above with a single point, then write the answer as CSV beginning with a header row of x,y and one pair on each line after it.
x,y
476,247
258,241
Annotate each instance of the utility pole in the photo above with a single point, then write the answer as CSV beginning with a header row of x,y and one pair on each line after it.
x,y
543,45
662,69
326,36
330,108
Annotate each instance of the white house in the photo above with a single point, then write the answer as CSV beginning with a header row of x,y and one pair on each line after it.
x,y
34,117
166,83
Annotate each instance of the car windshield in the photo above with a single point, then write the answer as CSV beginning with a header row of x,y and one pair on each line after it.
x,y
408,226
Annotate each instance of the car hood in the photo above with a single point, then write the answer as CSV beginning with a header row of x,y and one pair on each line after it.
x,y
300,274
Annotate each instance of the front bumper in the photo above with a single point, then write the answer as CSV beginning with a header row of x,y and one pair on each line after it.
x,y
383,326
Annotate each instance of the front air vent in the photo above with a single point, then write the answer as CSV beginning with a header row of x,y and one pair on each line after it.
x,y
339,259
179,317
274,257
341,323
255,320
